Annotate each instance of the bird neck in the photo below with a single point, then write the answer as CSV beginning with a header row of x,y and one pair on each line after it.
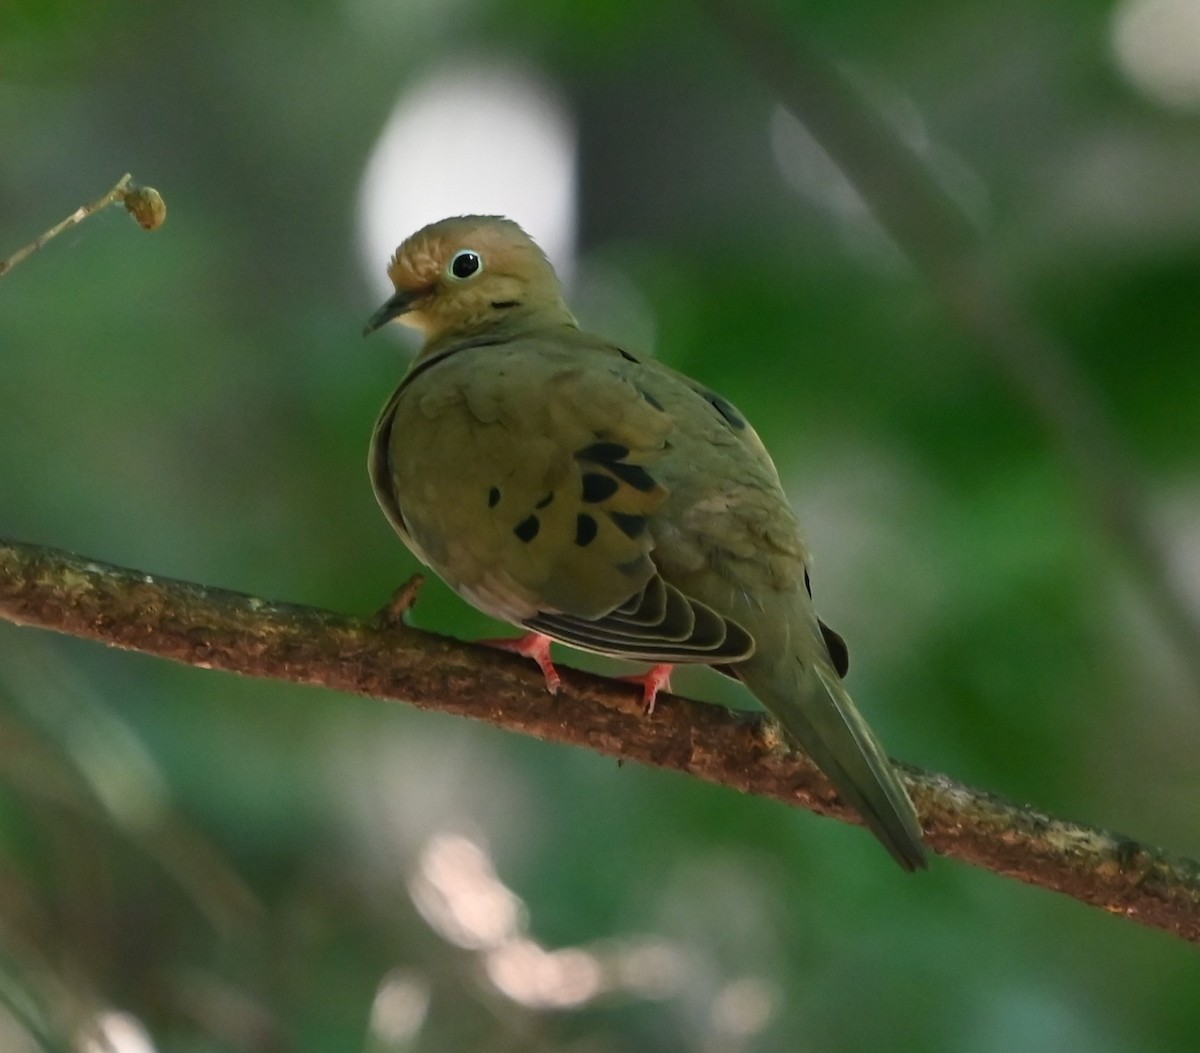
x,y
510,323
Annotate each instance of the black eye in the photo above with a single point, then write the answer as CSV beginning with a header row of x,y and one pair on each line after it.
x,y
464,264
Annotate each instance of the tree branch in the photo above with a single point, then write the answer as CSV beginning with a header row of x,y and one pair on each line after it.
x,y
381,658
144,203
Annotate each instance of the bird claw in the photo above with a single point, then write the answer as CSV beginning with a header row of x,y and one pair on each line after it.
x,y
402,601
656,680
535,646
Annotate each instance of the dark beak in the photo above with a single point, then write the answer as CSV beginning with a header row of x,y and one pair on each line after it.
x,y
399,304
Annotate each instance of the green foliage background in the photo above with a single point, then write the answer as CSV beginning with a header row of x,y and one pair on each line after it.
x,y
232,862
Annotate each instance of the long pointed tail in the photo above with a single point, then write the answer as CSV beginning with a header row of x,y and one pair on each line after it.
x,y
816,711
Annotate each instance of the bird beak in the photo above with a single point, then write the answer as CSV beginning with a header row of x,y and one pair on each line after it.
x,y
399,304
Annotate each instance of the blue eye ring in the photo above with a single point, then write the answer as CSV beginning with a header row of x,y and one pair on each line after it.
x,y
464,264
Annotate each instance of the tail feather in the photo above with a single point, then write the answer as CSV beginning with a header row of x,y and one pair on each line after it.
x,y
818,713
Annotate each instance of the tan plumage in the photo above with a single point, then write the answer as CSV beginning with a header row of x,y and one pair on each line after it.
x,y
564,484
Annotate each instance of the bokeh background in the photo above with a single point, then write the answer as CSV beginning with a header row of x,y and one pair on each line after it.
x,y
193,862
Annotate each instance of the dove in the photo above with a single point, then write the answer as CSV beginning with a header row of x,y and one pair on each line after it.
x,y
594,497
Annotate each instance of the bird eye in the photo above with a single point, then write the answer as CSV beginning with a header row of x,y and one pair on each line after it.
x,y
464,264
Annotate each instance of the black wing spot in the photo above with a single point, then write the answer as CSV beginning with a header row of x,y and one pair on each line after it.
x,y
626,355
528,528
725,409
633,474
597,487
545,501
493,497
611,455
501,305
585,530
807,584
630,525
839,653
651,399
603,452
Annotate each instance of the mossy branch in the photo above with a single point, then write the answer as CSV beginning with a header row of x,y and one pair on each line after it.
x,y
380,657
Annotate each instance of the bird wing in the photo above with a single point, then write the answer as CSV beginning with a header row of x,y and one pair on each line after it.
x,y
525,475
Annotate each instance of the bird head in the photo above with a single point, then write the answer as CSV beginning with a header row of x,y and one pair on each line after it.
x,y
468,274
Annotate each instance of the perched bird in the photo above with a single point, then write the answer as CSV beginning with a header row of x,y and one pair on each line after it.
x,y
595,497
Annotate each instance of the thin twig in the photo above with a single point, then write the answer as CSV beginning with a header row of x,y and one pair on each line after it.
x,y
931,229
381,658
145,204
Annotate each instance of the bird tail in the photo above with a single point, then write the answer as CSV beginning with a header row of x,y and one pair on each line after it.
x,y
817,712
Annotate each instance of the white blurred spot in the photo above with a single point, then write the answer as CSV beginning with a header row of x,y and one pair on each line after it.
x,y
114,1032
862,507
1179,516
1010,1016
13,1036
543,979
743,1007
376,776
120,770
107,752
1157,46
810,171
815,175
653,968
1126,190
457,892
473,138
400,1007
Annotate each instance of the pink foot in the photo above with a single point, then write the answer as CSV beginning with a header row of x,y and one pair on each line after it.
x,y
535,646
658,679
